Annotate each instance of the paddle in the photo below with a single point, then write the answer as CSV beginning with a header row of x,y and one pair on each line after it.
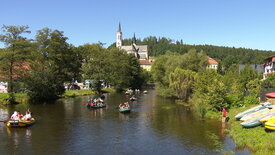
x,y
4,121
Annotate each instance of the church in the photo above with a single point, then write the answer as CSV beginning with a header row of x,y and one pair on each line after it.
x,y
140,51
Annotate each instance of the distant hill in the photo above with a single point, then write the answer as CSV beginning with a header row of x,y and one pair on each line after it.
x,y
227,55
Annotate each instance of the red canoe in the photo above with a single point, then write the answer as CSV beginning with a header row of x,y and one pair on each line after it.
x,y
270,95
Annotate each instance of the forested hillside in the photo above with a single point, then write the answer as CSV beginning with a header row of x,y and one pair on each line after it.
x,y
226,55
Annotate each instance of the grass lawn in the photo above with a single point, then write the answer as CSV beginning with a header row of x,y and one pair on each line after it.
x,y
74,93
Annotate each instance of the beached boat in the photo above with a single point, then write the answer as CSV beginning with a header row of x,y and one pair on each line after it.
x,y
253,122
94,106
270,95
270,117
124,110
258,113
252,110
20,123
270,124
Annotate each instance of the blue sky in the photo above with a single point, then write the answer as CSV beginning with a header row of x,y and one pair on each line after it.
x,y
238,23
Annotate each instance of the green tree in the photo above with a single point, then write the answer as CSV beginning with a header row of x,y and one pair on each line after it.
x,y
55,62
209,86
14,56
182,81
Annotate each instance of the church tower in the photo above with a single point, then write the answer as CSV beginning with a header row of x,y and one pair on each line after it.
x,y
119,37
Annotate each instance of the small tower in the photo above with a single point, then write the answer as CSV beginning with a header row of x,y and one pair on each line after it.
x,y
134,40
119,37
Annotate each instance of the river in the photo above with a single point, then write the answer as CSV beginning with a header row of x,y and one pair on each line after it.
x,y
156,125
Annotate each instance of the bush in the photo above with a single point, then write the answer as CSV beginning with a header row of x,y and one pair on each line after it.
x,y
251,99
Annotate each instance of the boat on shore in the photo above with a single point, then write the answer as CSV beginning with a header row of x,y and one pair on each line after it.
x,y
20,123
258,113
253,122
267,118
270,125
270,95
252,110
125,110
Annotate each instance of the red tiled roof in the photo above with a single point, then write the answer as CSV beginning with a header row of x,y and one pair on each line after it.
x,y
145,62
212,61
22,68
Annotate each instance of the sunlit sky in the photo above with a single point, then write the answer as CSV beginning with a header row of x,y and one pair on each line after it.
x,y
238,23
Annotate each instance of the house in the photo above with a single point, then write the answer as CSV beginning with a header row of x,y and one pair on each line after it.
x,y
146,64
269,66
212,63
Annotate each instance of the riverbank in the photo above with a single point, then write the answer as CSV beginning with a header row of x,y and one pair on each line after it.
x,y
19,97
257,140
23,97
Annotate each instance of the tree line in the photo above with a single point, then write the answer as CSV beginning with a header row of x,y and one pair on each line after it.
x,y
225,55
186,77
40,66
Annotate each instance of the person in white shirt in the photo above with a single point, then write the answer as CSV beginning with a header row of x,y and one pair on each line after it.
x,y
27,116
14,116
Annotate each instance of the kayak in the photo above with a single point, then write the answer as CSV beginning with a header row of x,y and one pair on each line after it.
x,y
253,122
258,113
96,106
270,124
270,95
267,118
20,123
252,110
124,110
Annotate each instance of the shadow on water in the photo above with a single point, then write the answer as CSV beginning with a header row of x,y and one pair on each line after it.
x,y
155,125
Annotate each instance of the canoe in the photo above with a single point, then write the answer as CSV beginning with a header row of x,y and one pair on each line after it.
x,y
258,113
270,95
270,124
20,123
253,122
96,107
267,118
252,110
124,110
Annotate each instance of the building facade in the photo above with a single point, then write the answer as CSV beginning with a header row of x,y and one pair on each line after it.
x,y
269,66
212,63
140,51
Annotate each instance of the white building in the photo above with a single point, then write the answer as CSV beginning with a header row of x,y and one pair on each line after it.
x,y
140,51
269,66
212,63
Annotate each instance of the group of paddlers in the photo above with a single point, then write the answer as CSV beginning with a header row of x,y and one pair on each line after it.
x,y
96,102
16,116
124,105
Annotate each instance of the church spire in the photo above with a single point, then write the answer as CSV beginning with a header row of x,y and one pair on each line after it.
x,y
134,40
119,36
119,28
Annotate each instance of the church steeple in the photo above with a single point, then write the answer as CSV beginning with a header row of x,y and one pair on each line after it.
x,y
119,27
134,40
119,36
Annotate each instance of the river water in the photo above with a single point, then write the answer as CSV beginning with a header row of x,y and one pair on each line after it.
x,y
156,125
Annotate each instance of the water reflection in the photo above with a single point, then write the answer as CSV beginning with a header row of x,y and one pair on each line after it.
x,y
155,126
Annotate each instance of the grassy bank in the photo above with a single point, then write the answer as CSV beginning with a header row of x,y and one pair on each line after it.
x,y
74,93
23,97
19,97
258,140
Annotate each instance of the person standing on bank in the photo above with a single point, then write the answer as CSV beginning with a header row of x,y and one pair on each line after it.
x,y
224,112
